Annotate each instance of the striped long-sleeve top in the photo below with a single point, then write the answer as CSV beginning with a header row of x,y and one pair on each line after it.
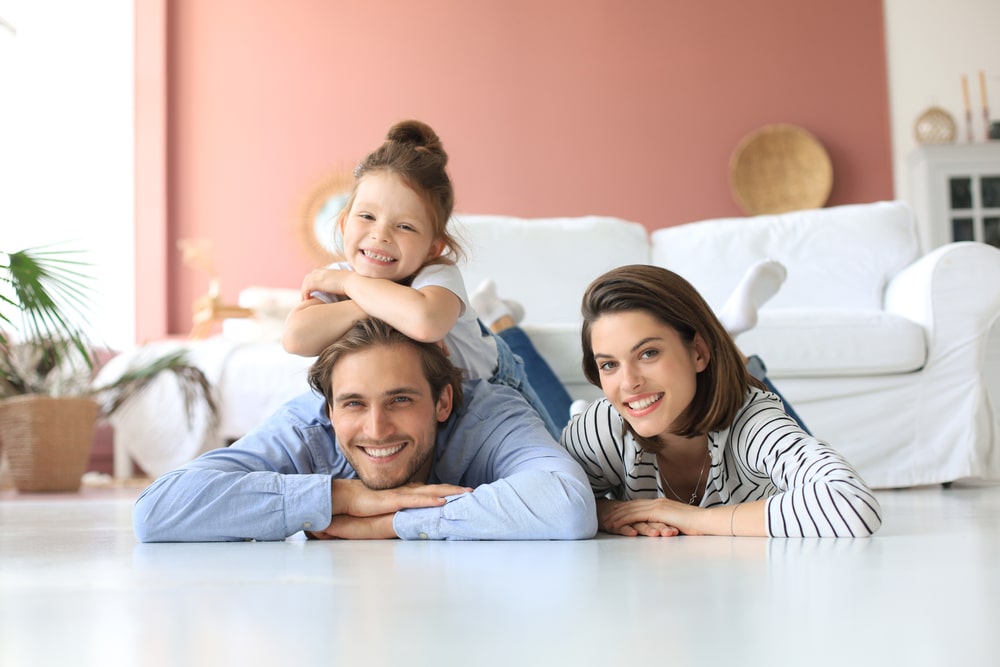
x,y
811,490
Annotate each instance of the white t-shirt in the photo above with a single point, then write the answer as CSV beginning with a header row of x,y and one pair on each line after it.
x,y
468,348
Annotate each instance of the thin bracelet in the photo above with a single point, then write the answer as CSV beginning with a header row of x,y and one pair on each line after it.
x,y
732,533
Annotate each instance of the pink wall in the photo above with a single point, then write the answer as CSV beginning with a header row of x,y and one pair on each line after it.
x,y
629,109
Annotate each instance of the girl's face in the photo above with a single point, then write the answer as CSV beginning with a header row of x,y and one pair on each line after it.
x,y
647,370
388,232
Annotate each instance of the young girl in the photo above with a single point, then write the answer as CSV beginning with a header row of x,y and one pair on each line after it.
x,y
685,440
400,266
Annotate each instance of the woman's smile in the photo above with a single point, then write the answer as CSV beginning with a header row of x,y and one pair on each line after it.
x,y
638,406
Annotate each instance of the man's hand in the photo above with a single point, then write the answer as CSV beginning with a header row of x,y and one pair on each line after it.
x,y
351,496
363,513
347,527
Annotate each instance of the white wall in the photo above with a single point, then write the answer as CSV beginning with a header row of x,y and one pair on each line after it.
x,y
66,148
930,44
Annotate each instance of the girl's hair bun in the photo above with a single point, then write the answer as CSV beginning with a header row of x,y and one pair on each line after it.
x,y
416,134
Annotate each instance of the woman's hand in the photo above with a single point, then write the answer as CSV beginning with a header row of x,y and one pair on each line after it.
x,y
685,519
607,509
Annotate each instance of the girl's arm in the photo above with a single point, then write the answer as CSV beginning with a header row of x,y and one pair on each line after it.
x,y
426,314
313,325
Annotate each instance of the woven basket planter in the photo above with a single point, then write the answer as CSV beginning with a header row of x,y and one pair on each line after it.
x,y
47,440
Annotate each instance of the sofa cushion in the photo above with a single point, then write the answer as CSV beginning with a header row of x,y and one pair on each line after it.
x,y
563,256
839,257
828,343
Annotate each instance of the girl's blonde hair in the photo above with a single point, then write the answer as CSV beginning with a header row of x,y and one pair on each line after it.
x,y
413,151
721,388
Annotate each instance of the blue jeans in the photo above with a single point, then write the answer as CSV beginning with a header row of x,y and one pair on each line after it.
x,y
521,367
756,367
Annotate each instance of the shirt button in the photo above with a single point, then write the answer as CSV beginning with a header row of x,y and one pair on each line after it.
x,y
422,536
307,525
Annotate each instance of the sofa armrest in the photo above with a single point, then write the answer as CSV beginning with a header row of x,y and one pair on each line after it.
x,y
954,293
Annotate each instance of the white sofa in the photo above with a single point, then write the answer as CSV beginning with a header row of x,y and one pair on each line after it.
x,y
891,356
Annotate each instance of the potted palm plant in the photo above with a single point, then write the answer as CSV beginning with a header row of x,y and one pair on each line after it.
x,y
49,402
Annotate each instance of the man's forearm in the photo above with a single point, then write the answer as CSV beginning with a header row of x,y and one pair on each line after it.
x,y
531,505
199,505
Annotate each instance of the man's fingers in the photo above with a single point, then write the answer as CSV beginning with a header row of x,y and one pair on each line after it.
x,y
437,489
361,528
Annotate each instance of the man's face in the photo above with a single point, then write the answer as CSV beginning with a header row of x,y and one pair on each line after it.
x,y
384,415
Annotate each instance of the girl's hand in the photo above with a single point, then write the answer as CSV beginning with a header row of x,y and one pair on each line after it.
x,y
332,281
606,509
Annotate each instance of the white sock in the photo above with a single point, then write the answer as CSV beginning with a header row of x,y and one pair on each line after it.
x,y
761,281
577,407
490,307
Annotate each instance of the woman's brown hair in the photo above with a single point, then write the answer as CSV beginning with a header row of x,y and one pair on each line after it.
x,y
721,388
413,151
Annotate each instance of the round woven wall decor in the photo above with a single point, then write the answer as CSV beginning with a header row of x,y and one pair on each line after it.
x,y
780,168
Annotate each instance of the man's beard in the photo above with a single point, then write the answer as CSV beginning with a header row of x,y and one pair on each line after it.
x,y
398,476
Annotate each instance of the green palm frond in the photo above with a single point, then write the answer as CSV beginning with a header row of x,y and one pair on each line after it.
x,y
193,383
48,288
53,356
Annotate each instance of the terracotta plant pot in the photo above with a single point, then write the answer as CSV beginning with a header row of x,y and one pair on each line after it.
x,y
47,440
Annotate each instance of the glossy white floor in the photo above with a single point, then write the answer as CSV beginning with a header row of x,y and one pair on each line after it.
x,y
77,589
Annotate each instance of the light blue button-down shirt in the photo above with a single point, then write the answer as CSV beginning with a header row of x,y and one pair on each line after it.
x,y
275,481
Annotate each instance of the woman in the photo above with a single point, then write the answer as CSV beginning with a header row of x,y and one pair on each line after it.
x,y
685,440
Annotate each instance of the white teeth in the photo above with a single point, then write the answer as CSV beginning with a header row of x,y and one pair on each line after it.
x,y
645,403
384,452
377,257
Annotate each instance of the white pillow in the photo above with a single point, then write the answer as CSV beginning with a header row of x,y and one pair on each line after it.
x,y
546,263
838,257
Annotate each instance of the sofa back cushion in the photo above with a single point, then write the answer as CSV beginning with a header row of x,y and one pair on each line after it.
x,y
838,257
546,263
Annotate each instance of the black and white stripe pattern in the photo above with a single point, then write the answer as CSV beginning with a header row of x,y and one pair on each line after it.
x,y
811,490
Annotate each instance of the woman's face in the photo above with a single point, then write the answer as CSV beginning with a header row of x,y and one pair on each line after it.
x,y
388,232
647,371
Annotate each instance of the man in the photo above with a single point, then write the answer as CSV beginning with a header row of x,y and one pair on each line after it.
x,y
390,444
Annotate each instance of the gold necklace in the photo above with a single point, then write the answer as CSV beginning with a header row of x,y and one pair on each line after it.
x,y
694,494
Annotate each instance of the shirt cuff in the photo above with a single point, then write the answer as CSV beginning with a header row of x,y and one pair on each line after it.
x,y
308,502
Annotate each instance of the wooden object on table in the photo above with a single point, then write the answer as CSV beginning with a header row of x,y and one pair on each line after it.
x,y
209,308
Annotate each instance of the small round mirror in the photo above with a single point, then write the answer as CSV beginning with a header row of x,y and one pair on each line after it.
x,y
317,218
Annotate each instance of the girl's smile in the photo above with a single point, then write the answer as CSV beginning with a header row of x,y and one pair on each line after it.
x,y
388,231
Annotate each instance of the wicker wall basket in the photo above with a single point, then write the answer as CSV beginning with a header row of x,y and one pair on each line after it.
x,y
780,168
47,440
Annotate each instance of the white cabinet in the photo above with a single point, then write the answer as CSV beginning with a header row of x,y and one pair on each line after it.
x,y
955,192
